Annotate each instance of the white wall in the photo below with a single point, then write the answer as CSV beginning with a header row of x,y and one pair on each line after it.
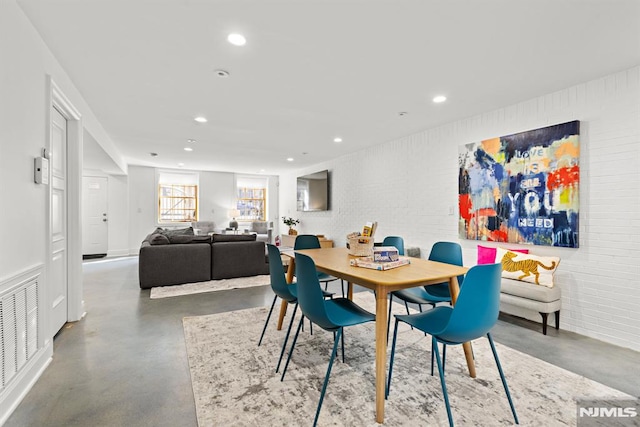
x,y
410,186
26,64
217,195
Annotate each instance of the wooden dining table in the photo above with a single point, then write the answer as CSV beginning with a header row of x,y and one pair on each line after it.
x,y
420,272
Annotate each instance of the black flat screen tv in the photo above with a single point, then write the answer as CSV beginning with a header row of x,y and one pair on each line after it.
x,y
313,192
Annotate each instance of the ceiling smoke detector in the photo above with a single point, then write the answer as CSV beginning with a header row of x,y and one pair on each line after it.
x,y
221,73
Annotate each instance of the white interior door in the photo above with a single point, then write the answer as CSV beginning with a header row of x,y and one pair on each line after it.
x,y
58,279
94,215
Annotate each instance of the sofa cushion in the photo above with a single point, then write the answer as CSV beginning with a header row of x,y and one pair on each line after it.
x,y
158,239
189,239
188,231
525,290
233,237
528,268
487,255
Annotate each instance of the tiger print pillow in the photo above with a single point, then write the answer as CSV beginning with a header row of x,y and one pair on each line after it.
x,y
528,268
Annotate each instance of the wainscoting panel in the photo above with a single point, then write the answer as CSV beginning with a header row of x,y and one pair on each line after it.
x,y
19,317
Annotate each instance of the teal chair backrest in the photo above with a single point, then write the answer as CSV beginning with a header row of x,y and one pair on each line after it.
x,y
310,296
306,241
396,241
477,306
447,252
276,273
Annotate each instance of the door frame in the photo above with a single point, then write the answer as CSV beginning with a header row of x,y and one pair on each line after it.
x,y
75,302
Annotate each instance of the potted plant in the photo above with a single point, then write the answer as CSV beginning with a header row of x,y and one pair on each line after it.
x,y
290,222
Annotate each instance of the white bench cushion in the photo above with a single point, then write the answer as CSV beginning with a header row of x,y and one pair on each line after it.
x,y
529,290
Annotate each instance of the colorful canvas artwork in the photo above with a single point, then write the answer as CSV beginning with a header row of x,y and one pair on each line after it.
x,y
522,188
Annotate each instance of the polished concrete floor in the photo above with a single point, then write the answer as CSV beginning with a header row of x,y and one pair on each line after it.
x,y
125,363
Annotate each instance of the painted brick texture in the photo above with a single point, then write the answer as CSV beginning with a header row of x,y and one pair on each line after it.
x,y
410,186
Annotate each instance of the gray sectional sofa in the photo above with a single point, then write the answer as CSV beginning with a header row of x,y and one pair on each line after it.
x,y
172,257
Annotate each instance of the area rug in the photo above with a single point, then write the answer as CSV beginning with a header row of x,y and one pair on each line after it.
x,y
235,384
210,286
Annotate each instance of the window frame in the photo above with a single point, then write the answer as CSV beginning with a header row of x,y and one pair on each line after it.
x,y
190,189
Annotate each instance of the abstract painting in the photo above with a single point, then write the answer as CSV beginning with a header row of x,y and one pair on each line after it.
x,y
522,188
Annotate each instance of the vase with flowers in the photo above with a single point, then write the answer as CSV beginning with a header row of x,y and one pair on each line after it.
x,y
291,223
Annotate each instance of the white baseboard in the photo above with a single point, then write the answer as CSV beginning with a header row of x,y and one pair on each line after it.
x,y
11,397
119,252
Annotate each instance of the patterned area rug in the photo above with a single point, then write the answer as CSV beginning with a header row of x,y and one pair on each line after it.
x,y
235,384
210,286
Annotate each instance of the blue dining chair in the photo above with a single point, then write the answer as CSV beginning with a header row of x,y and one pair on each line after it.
x,y
284,290
447,252
475,313
331,315
310,241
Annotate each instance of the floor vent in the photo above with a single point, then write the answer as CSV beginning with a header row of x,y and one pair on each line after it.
x,y
18,326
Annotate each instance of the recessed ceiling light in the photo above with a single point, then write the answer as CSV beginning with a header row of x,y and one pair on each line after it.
x,y
200,119
237,39
289,159
402,113
440,98
221,73
153,154
188,149
191,141
181,164
337,139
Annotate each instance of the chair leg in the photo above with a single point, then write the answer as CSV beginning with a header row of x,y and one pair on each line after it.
x,y
557,313
393,353
286,337
406,305
326,378
342,341
275,297
432,355
293,344
389,315
544,323
504,381
342,287
444,356
442,381
420,308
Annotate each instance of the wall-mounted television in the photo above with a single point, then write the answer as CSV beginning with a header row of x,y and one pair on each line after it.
x,y
313,192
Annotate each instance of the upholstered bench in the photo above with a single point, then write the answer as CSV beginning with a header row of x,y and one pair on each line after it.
x,y
516,296
527,283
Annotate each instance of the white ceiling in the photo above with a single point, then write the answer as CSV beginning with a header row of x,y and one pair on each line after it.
x,y
313,70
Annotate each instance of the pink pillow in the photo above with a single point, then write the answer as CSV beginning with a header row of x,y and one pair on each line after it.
x,y
487,255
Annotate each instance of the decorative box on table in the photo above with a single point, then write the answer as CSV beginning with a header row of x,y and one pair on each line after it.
x,y
385,253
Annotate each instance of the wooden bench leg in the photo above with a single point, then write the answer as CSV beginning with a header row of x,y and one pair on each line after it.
x,y
544,323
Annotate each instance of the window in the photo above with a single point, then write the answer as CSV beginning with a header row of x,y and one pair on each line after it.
x,y
177,197
252,199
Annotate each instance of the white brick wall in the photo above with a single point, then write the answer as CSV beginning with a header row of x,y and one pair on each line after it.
x,y
410,185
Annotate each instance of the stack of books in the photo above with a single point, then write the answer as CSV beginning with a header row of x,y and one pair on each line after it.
x,y
368,262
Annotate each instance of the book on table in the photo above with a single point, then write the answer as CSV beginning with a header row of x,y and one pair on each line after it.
x,y
368,262
369,229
